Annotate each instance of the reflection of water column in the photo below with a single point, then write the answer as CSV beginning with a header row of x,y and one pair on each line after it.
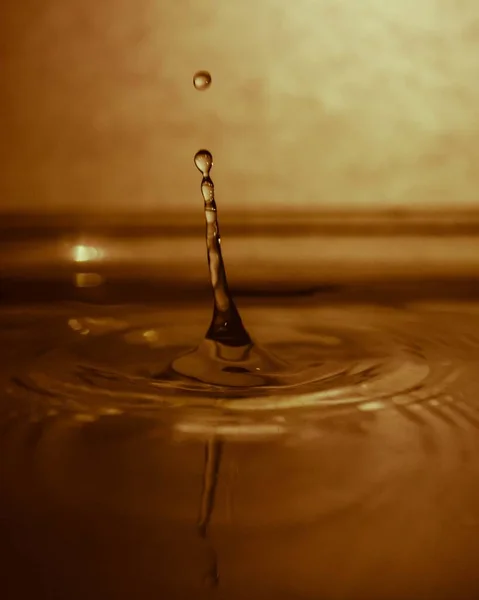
x,y
213,452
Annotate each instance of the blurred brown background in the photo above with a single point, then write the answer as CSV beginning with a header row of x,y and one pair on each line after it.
x,y
319,103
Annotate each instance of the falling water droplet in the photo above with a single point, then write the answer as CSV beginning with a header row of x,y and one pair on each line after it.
x,y
202,80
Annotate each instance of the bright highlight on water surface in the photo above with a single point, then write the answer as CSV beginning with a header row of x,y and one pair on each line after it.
x,y
83,253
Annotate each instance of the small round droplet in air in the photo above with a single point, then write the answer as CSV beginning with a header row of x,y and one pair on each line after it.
x,y
204,162
202,80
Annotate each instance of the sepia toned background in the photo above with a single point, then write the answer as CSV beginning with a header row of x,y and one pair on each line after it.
x,y
314,104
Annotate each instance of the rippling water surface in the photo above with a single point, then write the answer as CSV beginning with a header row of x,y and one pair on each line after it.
x,y
353,473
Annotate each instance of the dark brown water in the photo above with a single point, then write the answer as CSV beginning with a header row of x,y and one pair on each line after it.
x,y
359,479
